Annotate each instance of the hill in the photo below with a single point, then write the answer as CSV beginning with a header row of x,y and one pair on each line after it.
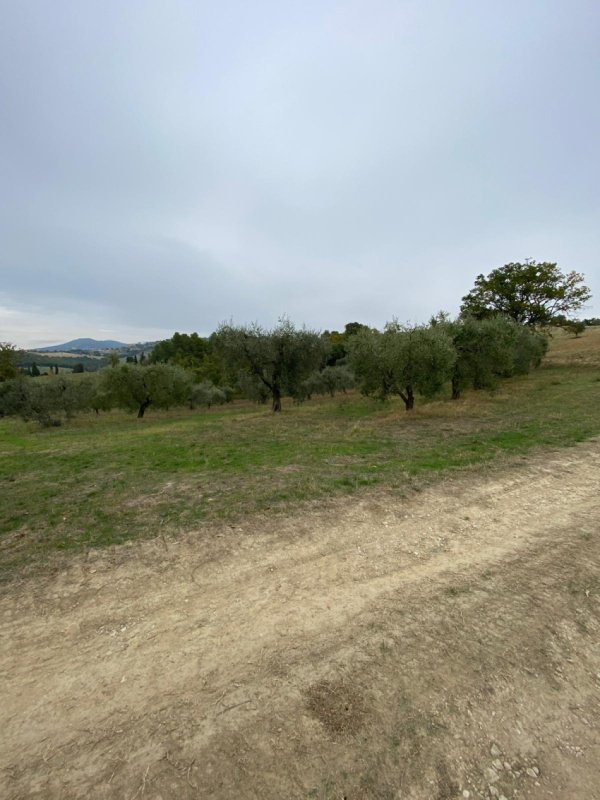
x,y
83,344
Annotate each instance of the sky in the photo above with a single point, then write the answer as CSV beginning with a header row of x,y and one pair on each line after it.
x,y
168,165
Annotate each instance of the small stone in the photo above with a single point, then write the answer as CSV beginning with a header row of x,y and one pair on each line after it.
x,y
495,750
502,797
493,791
497,764
507,766
491,775
466,794
531,772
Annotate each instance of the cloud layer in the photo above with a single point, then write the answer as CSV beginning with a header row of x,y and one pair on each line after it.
x,y
169,165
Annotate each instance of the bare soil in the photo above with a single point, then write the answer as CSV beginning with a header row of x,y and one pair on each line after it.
x,y
444,645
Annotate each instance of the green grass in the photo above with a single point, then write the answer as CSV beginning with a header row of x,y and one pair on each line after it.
x,y
104,480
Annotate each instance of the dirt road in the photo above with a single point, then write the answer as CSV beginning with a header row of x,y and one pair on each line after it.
x,y
441,645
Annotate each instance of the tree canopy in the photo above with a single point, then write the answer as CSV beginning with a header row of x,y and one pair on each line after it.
x,y
531,293
278,359
8,361
184,349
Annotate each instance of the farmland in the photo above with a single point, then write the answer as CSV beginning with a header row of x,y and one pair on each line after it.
x,y
340,600
105,479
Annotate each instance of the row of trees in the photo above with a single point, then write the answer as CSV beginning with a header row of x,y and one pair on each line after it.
x,y
496,335
269,364
466,353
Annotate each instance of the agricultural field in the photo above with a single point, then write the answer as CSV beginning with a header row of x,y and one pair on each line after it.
x,y
341,600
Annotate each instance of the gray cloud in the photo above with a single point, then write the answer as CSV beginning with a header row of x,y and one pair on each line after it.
x,y
170,165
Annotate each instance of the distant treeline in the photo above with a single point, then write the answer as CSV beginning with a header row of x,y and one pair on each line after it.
x,y
26,359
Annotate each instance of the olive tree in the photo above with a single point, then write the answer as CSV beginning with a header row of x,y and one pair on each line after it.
x,y
48,400
133,387
206,394
278,359
485,351
402,360
490,349
530,349
334,379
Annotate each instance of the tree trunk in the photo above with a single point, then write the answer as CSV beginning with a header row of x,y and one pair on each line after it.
x,y
455,389
408,397
276,405
143,407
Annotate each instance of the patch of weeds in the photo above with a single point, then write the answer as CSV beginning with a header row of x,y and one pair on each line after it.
x,y
456,591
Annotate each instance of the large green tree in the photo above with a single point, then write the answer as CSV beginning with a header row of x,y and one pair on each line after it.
x,y
530,293
278,359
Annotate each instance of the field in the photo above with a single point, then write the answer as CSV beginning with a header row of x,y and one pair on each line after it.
x,y
343,600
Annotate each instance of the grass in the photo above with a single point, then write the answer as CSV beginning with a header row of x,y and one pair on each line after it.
x,y
100,481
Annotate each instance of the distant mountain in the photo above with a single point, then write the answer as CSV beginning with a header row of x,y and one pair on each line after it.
x,y
83,344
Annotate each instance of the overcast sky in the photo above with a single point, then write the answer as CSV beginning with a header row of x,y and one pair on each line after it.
x,y
167,165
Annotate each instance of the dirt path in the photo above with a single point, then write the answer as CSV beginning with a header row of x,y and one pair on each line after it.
x,y
446,645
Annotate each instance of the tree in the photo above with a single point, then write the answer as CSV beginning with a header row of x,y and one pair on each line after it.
x,y
135,387
531,293
206,394
333,379
252,388
530,349
402,360
184,349
485,351
490,349
48,401
337,342
8,361
12,396
280,359
195,354
574,326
